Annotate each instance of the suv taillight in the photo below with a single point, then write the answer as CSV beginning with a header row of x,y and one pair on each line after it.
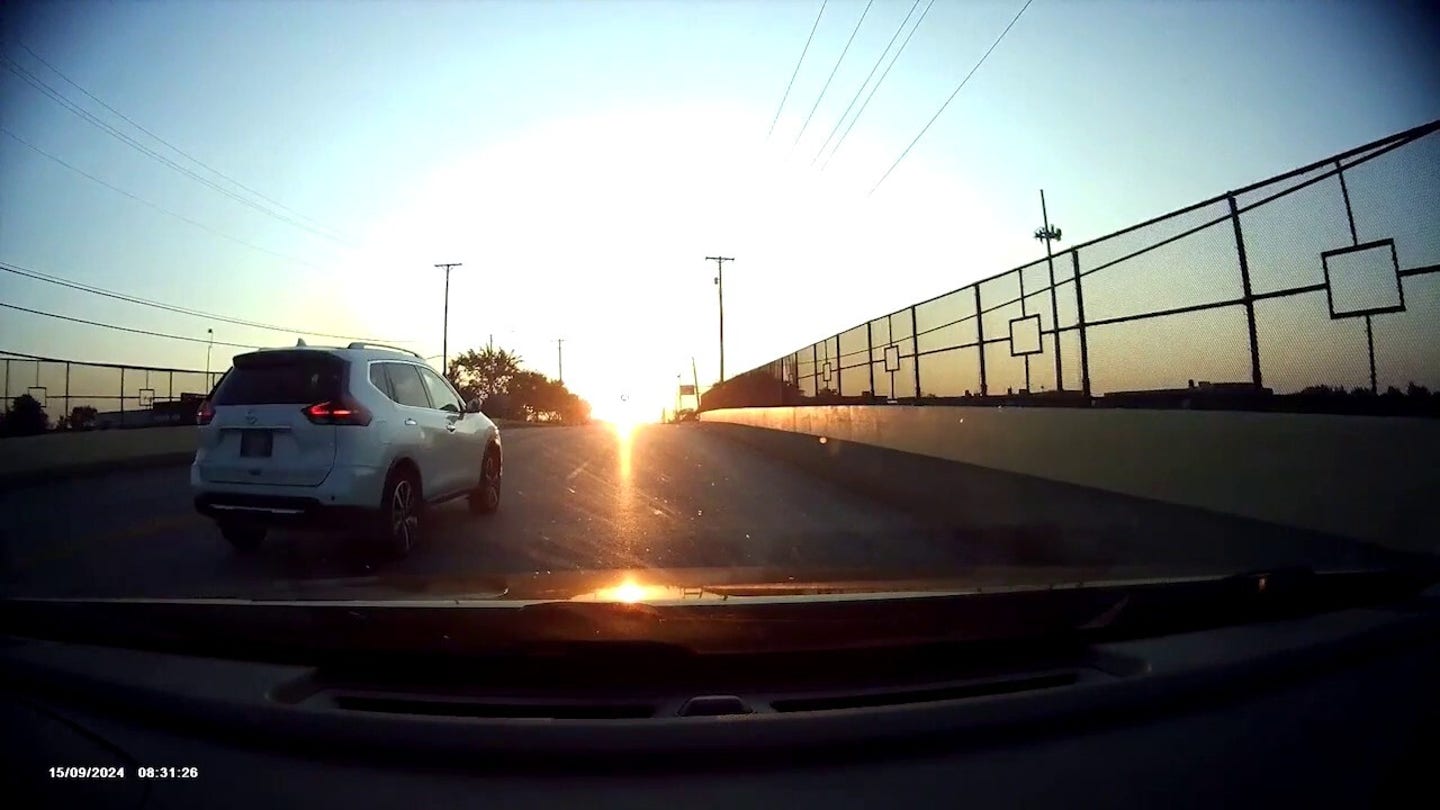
x,y
342,411
205,414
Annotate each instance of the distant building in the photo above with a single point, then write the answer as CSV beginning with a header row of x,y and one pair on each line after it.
x,y
180,411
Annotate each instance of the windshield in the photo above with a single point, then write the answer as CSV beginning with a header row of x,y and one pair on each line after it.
x,y
659,302
279,377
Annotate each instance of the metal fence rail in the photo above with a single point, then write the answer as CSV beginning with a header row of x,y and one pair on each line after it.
x,y
1320,281
122,396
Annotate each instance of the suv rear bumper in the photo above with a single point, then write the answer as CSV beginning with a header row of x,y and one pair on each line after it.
x,y
347,496
280,510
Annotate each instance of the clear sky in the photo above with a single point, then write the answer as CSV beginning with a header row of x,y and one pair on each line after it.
x,y
582,159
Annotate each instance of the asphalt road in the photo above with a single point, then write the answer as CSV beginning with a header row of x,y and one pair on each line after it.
x,y
578,498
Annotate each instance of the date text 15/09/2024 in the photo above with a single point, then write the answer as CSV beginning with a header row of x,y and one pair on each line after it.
x,y
118,772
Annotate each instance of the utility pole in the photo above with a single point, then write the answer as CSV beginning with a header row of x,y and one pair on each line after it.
x,y
1046,234
445,338
209,344
720,282
560,357
695,378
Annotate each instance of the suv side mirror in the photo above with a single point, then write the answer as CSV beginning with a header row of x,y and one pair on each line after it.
x,y
473,406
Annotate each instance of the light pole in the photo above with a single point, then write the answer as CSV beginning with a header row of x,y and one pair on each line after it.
x,y
209,344
1046,234
720,282
445,324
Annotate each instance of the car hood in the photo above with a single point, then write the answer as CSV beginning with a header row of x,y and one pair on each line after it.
x,y
664,586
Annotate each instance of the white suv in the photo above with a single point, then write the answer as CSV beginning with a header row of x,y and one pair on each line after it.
x,y
359,438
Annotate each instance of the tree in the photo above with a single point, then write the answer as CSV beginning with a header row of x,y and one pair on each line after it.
x,y
26,417
486,372
529,394
576,410
513,392
536,397
82,417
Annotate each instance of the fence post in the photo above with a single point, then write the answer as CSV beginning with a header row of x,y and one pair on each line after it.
x,y
1255,377
839,389
1021,275
1055,321
815,379
122,396
68,409
1080,324
5,406
915,351
980,336
1355,240
870,356
1349,212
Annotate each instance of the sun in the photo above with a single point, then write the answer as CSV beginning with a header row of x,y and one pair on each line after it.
x,y
624,414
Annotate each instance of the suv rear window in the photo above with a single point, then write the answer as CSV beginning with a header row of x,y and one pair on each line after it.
x,y
282,378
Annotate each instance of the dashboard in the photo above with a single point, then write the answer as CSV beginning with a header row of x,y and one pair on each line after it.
x,y
1334,709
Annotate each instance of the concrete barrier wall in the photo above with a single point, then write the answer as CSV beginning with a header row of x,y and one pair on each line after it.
x,y
30,459
1368,478
33,458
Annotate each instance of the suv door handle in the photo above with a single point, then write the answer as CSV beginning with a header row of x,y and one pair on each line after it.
x,y
411,422
450,427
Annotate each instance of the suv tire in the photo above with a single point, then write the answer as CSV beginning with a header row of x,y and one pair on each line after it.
x,y
397,525
485,499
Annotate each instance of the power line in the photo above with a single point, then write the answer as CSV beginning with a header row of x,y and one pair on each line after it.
x,y
172,146
952,96
832,71
54,95
878,82
868,77
801,61
155,206
126,328
101,291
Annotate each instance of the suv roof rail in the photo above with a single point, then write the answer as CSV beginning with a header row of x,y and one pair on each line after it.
x,y
360,344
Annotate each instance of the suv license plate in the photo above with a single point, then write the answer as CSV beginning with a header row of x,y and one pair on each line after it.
x,y
256,443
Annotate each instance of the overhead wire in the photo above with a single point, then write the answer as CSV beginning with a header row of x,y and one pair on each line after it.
x,y
129,329
39,85
831,77
796,72
202,226
863,84
172,146
876,86
960,87
132,299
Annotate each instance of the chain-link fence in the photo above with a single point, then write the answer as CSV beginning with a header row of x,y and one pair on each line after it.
x,y
1318,289
78,396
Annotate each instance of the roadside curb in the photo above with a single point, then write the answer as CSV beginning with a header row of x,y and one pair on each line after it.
x,y
20,479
